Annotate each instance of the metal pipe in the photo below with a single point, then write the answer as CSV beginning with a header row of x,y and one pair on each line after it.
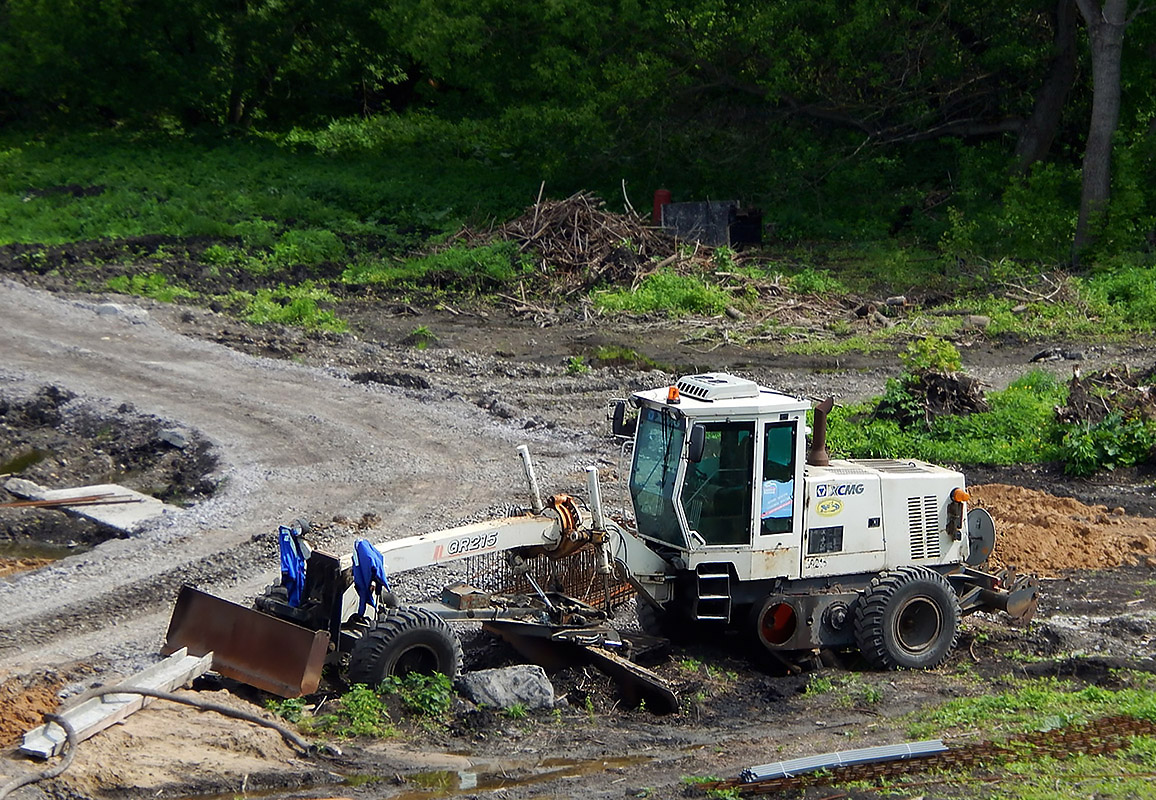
x,y
532,479
595,493
818,456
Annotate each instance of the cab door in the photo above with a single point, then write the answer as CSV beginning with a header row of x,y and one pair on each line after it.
x,y
779,505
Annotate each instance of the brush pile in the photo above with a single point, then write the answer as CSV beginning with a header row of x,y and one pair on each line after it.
x,y
577,244
926,394
1093,397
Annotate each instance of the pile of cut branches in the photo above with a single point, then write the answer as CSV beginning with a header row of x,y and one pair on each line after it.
x,y
578,244
925,394
1095,396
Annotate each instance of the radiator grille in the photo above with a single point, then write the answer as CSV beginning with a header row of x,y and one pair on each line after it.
x,y
923,525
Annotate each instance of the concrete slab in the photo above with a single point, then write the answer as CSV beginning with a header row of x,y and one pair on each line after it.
x,y
97,713
128,511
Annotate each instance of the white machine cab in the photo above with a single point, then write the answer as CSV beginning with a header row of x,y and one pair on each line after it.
x,y
721,472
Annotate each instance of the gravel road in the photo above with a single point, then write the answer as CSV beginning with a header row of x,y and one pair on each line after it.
x,y
293,441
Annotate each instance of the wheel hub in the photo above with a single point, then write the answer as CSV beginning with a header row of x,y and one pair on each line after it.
x,y
917,625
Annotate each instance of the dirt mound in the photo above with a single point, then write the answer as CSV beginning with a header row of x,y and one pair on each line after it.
x,y
165,748
1040,533
25,699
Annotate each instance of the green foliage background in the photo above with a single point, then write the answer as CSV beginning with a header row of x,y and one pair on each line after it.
x,y
844,120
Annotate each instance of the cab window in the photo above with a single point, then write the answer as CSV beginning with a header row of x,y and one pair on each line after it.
x,y
778,504
717,491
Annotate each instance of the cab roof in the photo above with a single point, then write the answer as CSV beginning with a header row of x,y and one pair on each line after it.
x,y
719,393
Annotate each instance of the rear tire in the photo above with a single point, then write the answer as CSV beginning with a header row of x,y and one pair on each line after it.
x,y
671,622
909,618
406,640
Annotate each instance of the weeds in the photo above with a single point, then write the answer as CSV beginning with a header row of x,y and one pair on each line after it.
x,y
291,709
517,711
150,284
423,695
576,365
421,337
668,293
289,305
359,712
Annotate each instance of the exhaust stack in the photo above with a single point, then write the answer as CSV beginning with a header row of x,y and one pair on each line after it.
x,y
818,455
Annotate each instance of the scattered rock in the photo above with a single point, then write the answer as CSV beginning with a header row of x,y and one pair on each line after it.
x,y
505,687
404,380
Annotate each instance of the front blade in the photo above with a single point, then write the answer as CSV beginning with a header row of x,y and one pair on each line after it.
x,y
248,645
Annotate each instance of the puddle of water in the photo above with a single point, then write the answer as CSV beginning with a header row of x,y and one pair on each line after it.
x,y
23,461
486,778
25,549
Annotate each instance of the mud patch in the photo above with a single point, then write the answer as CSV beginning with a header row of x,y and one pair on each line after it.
x,y
59,440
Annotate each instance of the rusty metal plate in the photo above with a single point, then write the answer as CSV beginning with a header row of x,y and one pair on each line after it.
x,y
248,645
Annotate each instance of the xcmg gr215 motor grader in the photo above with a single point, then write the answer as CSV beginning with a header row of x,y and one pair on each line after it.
x,y
737,521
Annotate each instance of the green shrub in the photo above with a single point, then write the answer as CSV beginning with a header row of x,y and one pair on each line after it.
x,y
815,281
667,292
1019,427
359,712
931,354
1112,442
307,247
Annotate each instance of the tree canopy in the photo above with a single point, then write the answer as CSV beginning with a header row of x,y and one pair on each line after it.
x,y
973,126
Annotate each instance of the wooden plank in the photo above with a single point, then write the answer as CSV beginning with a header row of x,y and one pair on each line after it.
x,y
94,715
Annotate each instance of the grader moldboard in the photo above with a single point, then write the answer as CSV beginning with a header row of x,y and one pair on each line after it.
x,y
736,523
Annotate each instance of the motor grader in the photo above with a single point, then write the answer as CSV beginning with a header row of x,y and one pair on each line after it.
x,y
737,519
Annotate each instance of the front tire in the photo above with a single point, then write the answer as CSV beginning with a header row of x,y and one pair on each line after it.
x,y
908,617
406,640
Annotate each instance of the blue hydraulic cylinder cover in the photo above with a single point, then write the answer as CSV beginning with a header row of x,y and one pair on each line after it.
x,y
293,560
368,569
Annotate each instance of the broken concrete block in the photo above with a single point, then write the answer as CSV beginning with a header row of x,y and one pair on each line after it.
x,y
525,685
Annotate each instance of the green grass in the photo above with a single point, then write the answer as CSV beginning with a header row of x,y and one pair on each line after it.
x,y
363,197
288,305
1034,704
181,186
668,293
1019,428
150,284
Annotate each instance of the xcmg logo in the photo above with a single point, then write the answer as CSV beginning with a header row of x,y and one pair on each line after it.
x,y
841,490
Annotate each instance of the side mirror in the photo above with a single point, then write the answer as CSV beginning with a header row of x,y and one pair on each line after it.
x,y
619,425
697,442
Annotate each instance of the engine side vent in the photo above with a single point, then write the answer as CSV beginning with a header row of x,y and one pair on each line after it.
x,y
711,386
846,471
891,465
923,524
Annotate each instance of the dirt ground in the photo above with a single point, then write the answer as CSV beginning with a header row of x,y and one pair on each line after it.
x,y
369,436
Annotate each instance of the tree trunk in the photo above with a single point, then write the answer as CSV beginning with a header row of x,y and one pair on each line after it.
x,y
1038,132
1106,25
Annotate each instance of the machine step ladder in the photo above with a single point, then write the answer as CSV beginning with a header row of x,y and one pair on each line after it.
x,y
713,600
